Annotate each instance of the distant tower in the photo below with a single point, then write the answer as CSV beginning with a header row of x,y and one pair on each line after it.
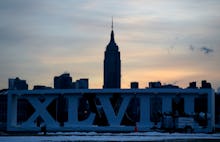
x,y
112,64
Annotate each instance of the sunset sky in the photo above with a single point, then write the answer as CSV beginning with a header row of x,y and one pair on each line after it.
x,y
171,41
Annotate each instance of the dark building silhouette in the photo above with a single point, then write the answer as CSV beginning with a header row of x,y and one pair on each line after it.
x,y
41,87
159,85
134,85
3,109
17,84
82,83
217,110
155,84
64,81
206,84
192,85
112,64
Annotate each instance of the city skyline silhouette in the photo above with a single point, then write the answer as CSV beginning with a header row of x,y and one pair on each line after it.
x,y
172,42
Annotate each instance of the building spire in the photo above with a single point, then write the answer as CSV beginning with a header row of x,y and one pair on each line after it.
x,y
112,40
112,23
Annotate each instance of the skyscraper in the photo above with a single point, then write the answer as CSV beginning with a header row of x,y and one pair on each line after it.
x,y
112,64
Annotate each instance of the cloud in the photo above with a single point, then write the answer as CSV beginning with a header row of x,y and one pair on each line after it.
x,y
206,50
55,36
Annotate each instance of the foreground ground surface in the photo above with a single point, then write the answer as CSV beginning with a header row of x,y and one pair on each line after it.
x,y
92,136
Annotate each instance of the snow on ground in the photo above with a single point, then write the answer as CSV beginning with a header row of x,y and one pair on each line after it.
x,y
92,136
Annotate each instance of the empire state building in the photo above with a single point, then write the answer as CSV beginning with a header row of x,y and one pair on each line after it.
x,y
112,64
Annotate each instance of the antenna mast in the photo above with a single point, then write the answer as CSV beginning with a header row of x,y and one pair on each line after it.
x,y
112,22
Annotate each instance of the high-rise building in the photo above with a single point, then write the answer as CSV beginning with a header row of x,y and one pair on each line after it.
x,y
17,84
64,81
112,64
82,83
